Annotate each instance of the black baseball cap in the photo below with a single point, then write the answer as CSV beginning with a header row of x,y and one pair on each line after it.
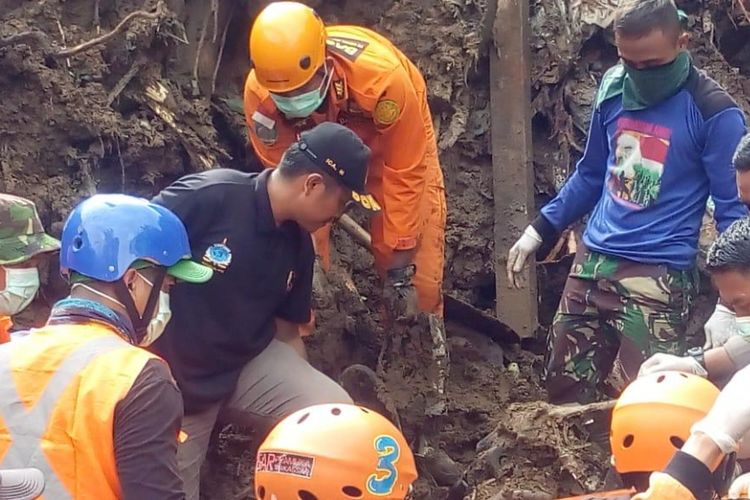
x,y
337,151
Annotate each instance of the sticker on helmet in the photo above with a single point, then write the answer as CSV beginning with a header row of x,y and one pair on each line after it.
x,y
384,479
347,47
386,112
285,463
218,256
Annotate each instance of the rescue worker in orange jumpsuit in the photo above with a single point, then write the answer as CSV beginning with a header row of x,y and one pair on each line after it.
x,y
305,456
22,243
304,73
79,400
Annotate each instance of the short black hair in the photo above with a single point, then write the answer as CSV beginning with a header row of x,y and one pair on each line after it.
x,y
742,155
731,250
295,163
637,18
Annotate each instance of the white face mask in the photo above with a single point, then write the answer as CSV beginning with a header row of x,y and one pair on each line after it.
x,y
159,322
21,286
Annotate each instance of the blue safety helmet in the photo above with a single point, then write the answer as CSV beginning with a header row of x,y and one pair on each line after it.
x,y
107,233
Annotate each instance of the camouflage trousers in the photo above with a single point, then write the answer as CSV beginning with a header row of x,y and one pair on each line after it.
x,y
614,313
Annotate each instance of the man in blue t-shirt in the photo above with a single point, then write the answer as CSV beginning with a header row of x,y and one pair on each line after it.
x,y
661,141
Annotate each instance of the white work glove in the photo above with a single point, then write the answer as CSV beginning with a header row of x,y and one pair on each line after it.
x,y
661,362
527,244
740,487
729,418
719,327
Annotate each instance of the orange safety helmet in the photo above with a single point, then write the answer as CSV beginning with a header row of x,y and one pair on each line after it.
x,y
653,417
334,451
287,45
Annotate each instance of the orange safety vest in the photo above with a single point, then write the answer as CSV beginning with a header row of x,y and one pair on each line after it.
x,y
5,324
58,392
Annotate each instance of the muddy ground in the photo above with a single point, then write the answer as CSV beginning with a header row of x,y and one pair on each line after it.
x,y
163,98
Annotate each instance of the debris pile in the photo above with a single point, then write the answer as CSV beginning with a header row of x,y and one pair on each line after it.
x,y
159,96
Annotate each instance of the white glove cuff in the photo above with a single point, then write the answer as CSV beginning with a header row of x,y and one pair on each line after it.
x,y
724,441
531,232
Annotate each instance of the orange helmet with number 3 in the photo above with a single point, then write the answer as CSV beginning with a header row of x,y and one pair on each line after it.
x,y
287,45
334,451
653,417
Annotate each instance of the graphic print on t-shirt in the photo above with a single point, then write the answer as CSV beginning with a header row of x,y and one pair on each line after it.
x,y
640,152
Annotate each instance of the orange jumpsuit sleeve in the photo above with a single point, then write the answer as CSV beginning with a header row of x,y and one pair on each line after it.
x,y
251,103
398,118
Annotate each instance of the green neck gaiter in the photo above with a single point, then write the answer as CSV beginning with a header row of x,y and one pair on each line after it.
x,y
644,88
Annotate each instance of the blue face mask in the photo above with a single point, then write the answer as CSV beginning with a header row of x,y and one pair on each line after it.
x,y
303,105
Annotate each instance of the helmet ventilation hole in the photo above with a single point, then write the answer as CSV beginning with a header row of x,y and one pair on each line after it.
x,y
683,375
261,492
77,243
303,418
364,410
660,379
628,441
336,411
676,442
305,62
306,495
352,491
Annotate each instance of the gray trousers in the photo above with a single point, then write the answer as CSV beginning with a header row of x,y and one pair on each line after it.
x,y
276,383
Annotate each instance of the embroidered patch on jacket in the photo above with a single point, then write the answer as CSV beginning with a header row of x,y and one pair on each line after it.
x,y
218,256
347,47
338,87
265,128
386,112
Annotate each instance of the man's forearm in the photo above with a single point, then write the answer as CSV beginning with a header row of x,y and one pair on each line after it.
x,y
704,449
718,364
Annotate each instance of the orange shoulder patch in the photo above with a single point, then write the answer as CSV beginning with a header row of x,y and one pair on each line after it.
x,y
386,112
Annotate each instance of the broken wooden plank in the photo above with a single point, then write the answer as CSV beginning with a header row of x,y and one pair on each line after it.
x,y
464,313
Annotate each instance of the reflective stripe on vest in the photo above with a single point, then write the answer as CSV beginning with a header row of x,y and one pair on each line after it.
x,y
26,428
